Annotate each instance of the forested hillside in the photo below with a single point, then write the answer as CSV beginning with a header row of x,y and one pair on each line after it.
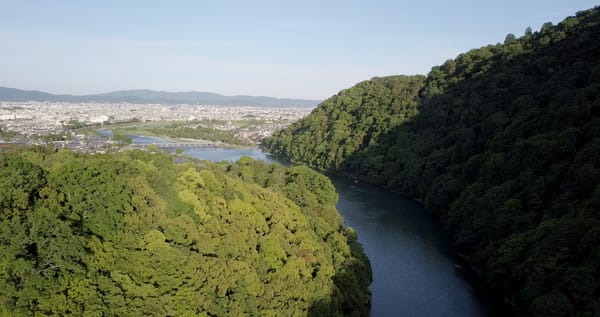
x,y
502,142
149,234
348,122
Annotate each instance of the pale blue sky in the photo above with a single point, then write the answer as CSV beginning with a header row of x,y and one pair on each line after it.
x,y
297,49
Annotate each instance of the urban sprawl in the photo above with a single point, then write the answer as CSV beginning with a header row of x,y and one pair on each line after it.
x,y
30,123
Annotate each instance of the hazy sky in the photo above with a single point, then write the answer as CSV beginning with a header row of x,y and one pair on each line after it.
x,y
297,49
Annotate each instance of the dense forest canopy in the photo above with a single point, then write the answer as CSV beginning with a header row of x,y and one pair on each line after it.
x,y
151,234
502,142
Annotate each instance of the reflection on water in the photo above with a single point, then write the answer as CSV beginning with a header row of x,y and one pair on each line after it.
x,y
414,272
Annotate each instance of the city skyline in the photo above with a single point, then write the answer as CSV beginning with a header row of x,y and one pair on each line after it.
x,y
267,48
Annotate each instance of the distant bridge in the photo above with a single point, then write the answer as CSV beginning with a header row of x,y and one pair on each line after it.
x,y
176,145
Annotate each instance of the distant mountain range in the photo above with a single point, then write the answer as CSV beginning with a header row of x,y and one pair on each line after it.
x,y
141,96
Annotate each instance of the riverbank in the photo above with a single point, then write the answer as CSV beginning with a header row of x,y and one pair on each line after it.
x,y
414,269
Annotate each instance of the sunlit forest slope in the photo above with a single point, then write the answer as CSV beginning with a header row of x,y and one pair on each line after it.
x,y
151,234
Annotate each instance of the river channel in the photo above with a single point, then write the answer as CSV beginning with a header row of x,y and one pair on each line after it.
x,y
414,270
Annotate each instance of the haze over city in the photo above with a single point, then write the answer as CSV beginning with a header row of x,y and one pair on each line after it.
x,y
308,49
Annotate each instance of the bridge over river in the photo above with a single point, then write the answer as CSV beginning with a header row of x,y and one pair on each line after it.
x,y
176,145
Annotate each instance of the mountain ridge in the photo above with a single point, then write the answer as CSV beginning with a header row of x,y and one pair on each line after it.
x,y
141,96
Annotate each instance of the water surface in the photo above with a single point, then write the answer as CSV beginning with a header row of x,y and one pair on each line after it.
x,y
212,153
414,271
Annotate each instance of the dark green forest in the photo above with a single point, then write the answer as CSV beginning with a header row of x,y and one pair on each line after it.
x,y
502,143
153,234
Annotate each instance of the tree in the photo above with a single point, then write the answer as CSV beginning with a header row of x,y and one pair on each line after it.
x,y
510,39
546,28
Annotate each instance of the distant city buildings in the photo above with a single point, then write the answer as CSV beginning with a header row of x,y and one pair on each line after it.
x,y
34,119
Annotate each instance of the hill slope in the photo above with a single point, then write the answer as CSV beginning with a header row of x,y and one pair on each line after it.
x,y
503,143
135,234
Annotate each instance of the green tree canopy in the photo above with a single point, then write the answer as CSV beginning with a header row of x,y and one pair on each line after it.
x,y
135,234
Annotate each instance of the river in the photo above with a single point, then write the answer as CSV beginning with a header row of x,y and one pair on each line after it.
x,y
414,270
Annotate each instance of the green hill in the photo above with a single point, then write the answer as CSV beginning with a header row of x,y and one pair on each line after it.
x,y
502,142
136,234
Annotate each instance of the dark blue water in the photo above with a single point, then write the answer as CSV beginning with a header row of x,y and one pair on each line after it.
x,y
414,271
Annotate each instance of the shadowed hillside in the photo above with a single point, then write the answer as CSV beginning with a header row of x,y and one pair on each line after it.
x,y
502,142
